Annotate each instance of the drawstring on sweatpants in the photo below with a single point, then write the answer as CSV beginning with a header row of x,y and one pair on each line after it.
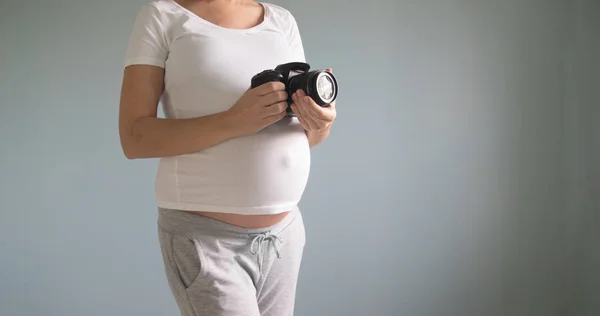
x,y
259,239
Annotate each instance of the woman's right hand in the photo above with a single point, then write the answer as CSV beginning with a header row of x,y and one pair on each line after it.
x,y
259,107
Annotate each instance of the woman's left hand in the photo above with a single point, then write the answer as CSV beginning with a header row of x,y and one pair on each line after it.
x,y
312,116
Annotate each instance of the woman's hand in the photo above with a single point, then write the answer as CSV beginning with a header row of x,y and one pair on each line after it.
x,y
315,119
312,116
259,107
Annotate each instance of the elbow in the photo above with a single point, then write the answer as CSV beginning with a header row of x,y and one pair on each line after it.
x,y
130,149
134,150
130,153
131,145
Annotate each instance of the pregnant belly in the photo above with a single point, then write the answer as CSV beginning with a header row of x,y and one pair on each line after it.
x,y
258,172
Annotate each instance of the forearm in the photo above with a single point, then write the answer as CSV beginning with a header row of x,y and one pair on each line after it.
x,y
317,137
152,137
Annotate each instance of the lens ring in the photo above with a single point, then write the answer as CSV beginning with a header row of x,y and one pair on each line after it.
x,y
325,87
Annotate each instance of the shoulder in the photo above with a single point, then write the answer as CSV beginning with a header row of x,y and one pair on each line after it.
x,y
279,14
282,19
164,16
151,12
152,7
277,10
162,10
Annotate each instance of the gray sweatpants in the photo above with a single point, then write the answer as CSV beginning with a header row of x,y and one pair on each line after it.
x,y
217,269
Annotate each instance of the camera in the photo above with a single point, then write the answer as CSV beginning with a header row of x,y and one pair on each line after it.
x,y
320,85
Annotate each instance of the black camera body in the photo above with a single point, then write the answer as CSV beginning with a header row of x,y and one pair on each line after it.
x,y
320,85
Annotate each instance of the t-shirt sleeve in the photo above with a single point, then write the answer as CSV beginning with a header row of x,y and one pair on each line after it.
x,y
148,41
295,40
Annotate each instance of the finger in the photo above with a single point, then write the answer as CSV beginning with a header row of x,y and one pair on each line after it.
x,y
329,70
316,111
301,107
269,87
275,109
274,118
318,117
273,97
299,116
309,106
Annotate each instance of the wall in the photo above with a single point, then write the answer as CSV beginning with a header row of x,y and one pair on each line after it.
x,y
441,190
583,154
450,135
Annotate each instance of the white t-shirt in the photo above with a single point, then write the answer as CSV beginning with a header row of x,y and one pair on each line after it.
x,y
207,69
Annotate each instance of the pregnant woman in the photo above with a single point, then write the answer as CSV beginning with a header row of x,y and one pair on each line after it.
x,y
232,166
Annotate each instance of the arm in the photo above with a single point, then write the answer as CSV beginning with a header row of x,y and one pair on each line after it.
x,y
317,137
143,135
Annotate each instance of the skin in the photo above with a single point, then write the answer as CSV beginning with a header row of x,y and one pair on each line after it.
x,y
144,135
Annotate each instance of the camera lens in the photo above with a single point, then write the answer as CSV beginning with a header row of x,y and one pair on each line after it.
x,y
320,85
325,87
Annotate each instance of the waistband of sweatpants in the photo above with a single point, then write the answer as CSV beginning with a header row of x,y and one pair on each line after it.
x,y
190,224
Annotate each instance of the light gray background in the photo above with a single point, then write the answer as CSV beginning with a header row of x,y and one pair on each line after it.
x,y
461,177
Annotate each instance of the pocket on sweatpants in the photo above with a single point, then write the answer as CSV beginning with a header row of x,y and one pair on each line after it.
x,y
184,257
189,259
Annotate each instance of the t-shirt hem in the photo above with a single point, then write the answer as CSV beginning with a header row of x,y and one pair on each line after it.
x,y
242,210
143,60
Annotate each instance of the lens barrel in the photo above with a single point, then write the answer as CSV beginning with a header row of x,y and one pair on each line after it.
x,y
320,85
